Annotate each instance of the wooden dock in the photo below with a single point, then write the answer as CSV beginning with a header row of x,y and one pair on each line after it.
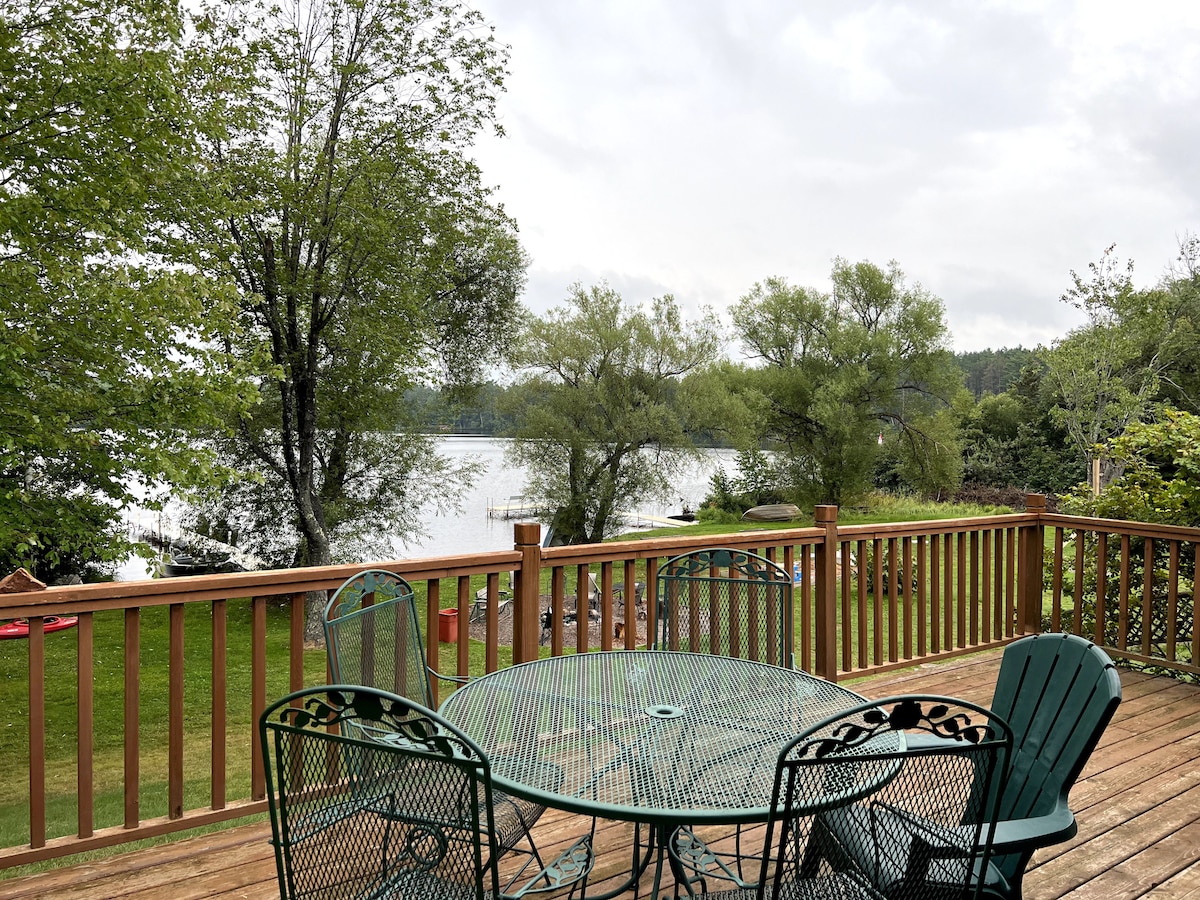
x,y
1138,805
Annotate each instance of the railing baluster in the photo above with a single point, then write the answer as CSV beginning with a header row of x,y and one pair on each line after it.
x,y
863,617
433,634
629,600
1101,586
1123,595
1147,594
905,571
85,739
37,732
1056,584
844,624
987,539
1195,602
1173,601
175,712
582,620
558,593
258,693
462,660
960,553
893,593
606,616
877,597
922,597
935,598
132,762
973,595
1013,569
1078,608
808,565
220,696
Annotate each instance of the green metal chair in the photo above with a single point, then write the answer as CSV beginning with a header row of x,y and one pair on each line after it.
x,y
372,796
903,775
373,638
1058,692
726,602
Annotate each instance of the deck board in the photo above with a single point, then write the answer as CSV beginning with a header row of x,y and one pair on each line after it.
x,y
1138,805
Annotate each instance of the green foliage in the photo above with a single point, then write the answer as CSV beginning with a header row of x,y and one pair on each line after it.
x,y
757,483
1159,482
993,371
107,370
1012,443
841,367
1108,373
340,198
602,407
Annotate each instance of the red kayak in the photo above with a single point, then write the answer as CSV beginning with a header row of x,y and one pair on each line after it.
x,y
19,628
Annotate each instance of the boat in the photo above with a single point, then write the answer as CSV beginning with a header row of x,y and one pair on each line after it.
x,y
19,628
182,562
772,512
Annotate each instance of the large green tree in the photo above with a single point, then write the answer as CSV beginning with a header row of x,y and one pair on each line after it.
x,y
1135,348
367,254
106,370
603,406
840,368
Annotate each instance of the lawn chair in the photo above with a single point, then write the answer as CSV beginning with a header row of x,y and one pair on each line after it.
x,y
911,782
371,795
373,638
726,602
1058,692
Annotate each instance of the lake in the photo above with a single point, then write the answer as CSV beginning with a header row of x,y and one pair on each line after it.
x,y
470,528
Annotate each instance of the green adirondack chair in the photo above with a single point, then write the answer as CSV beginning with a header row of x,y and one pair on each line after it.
x,y
1058,692
727,602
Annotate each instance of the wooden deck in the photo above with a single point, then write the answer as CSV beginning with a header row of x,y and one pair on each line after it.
x,y
1138,806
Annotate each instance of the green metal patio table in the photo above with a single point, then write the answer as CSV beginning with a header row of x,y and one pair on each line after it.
x,y
653,737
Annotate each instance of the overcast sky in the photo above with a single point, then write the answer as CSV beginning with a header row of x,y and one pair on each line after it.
x,y
695,147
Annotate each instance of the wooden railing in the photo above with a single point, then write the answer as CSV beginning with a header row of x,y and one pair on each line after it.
x,y
148,758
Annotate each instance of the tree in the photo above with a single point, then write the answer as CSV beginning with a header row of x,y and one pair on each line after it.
x,y
603,407
841,368
1098,370
106,370
366,253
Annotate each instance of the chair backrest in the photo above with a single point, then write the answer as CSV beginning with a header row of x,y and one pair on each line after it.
x,y
373,636
1058,692
397,804
726,602
889,793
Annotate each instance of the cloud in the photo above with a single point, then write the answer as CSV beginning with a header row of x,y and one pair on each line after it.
x,y
695,148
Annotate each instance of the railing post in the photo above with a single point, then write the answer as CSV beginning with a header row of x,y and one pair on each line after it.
x,y
825,656
527,538
1029,601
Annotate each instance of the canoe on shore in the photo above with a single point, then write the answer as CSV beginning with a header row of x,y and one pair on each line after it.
x,y
772,512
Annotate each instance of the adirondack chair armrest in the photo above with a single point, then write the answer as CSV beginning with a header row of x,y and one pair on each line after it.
x,y
1039,831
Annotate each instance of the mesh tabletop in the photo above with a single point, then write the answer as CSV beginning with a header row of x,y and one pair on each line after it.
x,y
650,736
